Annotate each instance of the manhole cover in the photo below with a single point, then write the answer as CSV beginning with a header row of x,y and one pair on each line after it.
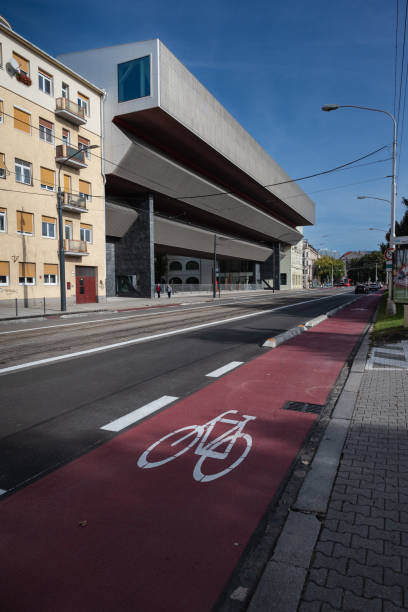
x,y
303,407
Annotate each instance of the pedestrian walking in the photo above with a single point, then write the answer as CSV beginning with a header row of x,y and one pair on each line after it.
x,y
158,289
169,290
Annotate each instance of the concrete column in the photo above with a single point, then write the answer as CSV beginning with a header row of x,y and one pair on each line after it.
x,y
270,269
276,256
110,269
134,252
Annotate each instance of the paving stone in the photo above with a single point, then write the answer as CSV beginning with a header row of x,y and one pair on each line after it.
x,y
314,592
395,578
393,562
391,593
327,535
323,561
310,606
349,583
345,527
325,547
365,571
389,607
358,554
319,576
353,603
383,534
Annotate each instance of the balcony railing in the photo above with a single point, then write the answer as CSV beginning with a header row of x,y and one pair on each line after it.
x,y
65,154
73,204
77,248
70,111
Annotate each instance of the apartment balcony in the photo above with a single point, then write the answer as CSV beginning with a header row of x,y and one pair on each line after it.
x,y
73,204
75,158
70,111
76,248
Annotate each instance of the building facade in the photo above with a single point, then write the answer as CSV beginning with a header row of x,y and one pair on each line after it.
x,y
310,255
49,116
181,172
291,266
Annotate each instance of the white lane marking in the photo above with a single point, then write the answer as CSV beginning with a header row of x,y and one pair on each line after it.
x,y
224,369
3,491
174,332
144,314
139,413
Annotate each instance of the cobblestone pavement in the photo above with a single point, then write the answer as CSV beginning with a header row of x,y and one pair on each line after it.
x,y
360,560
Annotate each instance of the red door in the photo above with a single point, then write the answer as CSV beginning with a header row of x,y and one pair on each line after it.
x,y
85,284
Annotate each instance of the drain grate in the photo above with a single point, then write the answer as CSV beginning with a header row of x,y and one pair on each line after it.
x,y
303,407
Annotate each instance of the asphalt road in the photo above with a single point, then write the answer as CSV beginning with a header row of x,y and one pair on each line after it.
x,y
53,412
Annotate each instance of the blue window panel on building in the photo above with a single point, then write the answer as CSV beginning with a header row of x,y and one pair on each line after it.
x,y
134,79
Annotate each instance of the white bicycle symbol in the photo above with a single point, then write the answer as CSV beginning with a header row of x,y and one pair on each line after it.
x,y
199,434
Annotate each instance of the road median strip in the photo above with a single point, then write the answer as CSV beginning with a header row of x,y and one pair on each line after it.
x,y
295,331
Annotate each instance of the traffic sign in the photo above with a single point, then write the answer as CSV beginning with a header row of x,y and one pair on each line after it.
x,y
388,253
388,265
400,240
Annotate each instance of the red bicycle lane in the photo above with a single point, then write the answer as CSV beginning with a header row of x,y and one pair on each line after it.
x,y
103,534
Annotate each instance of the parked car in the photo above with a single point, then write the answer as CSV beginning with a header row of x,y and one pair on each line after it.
x,y
373,287
361,289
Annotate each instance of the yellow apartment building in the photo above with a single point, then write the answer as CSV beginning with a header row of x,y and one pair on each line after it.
x,y
49,117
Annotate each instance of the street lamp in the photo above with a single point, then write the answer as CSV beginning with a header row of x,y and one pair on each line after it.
x,y
331,107
372,198
378,229
63,292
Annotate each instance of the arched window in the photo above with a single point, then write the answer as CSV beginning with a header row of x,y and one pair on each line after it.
x,y
175,265
192,265
175,281
192,281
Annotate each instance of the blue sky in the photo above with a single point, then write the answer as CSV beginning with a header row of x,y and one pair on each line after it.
x,y
272,64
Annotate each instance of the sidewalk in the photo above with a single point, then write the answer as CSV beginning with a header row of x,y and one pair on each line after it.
x,y
344,546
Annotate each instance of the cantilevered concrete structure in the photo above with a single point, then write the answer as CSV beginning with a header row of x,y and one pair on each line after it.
x,y
179,169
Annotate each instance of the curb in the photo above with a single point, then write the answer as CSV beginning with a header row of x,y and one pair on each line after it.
x,y
302,327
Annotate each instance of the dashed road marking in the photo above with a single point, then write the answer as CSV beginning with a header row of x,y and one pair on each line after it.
x,y
139,413
227,368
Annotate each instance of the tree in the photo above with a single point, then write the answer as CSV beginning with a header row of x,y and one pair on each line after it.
x,y
401,227
326,266
368,267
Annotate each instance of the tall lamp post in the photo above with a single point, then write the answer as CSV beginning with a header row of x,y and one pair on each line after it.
x,y
332,107
63,291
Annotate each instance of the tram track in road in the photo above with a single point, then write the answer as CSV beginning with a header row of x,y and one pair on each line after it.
x,y
48,342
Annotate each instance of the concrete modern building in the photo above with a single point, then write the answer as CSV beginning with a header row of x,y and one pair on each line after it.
x,y
310,255
181,170
48,116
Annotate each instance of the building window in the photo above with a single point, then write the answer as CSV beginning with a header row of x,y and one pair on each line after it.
x,y
48,227
22,120
283,278
65,136
3,168
47,179
134,79
1,111
192,281
68,230
1,56
46,131
23,171
86,232
82,144
192,265
45,82
175,265
4,273
50,274
26,274
24,223
175,281
84,190
23,64
65,91
3,220
83,102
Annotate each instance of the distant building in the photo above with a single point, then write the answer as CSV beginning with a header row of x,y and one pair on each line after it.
x,y
310,255
350,255
48,114
291,273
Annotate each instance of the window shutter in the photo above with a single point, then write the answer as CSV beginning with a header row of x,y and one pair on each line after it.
x,y
84,187
4,268
86,226
26,269
83,141
23,63
22,120
50,268
47,177
67,183
24,222
46,124
48,220
2,162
